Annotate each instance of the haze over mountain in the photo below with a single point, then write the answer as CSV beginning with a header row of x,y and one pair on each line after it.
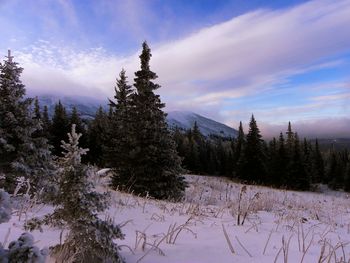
x,y
185,120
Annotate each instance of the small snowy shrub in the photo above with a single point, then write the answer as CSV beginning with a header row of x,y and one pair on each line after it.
x,y
90,239
23,249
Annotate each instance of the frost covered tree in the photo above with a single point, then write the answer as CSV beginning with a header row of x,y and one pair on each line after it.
x,y
90,239
22,152
156,166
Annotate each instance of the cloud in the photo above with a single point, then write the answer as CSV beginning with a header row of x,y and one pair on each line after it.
x,y
319,128
250,54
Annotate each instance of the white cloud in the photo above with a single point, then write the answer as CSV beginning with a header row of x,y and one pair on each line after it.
x,y
243,56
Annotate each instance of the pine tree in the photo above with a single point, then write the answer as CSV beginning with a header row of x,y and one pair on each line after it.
x,y
307,158
290,140
121,132
22,151
37,113
156,164
97,138
46,123
239,144
251,165
273,171
79,126
318,172
282,163
296,174
59,128
90,239
347,178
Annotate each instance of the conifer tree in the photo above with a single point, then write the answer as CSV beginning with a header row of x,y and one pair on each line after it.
x,y
79,126
273,171
22,151
97,138
347,178
290,140
282,162
251,165
156,164
75,119
59,128
296,174
317,166
239,144
37,113
46,123
121,133
90,239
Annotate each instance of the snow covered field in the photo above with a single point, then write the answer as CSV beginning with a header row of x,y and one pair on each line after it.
x,y
278,226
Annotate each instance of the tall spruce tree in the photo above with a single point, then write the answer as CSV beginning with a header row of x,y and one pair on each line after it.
x,y
251,165
282,162
46,123
318,172
22,151
156,165
97,138
238,149
59,128
296,173
121,133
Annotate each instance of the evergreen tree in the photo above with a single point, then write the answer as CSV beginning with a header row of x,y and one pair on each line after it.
x,y
273,171
307,159
238,149
251,165
79,126
337,169
317,165
290,140
46,123
75,119
37,113
90,239
97,138
156,165
296,173
59,128
121,132
282,163
347,178
22,151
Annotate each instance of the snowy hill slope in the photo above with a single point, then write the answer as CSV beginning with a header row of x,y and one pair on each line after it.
x,y
186,120
280,226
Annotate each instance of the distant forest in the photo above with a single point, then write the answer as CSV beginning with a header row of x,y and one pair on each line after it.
x,y
283,162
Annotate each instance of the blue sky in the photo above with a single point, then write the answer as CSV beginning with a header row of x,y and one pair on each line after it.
x,y
281,60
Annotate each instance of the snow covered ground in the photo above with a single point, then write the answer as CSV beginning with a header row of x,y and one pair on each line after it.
x,y
279,226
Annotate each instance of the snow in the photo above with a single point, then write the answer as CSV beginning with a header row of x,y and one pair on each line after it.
x,y
186,120
305,222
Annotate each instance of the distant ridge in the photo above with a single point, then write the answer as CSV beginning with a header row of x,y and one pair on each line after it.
x,y
186,120
87,107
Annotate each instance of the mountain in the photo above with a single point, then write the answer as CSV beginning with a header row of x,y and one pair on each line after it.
x,y
87,107
185,120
